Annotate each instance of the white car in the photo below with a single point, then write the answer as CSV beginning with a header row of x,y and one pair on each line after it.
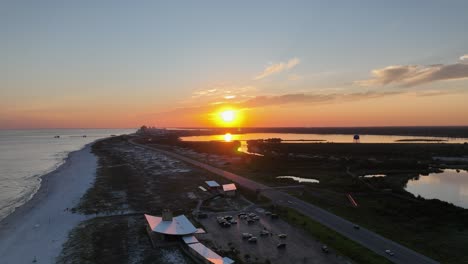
x,y
389,252
246,235
252,240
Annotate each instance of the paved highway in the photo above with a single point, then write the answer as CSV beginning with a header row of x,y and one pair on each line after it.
x,y
365,237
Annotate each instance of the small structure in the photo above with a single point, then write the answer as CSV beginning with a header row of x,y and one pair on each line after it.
x,y
207,255
229,189
356,138
213,185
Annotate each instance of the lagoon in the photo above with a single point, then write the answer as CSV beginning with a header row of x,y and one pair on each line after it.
x,y
450,186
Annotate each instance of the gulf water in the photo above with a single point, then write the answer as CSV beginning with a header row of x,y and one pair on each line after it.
x,y
26,155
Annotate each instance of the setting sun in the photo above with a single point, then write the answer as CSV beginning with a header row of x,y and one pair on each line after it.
x,y
228,116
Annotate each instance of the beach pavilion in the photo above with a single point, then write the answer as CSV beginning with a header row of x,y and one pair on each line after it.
x,y
179,228
169,227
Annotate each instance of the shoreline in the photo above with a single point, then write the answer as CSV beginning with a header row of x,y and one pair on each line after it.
x,y
40,177
41,225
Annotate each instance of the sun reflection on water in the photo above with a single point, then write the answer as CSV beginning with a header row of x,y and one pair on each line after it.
x,y
228,137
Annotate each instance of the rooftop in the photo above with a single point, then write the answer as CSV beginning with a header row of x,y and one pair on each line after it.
x,y
190,239
179,225
212,184
229,187
210,255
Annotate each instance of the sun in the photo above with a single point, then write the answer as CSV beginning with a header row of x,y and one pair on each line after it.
x,y
228,116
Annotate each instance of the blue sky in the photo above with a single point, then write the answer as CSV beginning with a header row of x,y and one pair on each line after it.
x,y
153,55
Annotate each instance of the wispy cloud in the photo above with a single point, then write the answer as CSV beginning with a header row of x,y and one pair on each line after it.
x,y
264,101
277,68
412,75
223,91
303,98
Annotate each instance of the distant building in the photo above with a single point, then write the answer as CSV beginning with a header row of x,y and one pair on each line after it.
x,y
213,185
229,189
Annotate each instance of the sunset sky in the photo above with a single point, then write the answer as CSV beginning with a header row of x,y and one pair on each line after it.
x,y
106,64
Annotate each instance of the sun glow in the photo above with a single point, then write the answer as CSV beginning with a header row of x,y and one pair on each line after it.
x,y
228,116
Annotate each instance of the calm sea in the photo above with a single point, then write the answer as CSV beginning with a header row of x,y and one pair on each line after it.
x,y
25,155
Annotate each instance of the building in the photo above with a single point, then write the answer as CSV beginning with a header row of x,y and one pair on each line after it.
x,y
177,229
229,189
168,227
213,185
207,255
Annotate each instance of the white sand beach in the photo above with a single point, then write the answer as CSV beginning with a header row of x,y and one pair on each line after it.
x,y
38,229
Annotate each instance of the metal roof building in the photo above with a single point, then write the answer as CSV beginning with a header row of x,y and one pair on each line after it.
x,y
212,184
179,225
229,187
208,255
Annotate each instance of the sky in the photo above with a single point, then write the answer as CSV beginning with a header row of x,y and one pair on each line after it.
x,y
106,64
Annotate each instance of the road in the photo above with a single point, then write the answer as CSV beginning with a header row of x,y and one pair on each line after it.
x,y
365,237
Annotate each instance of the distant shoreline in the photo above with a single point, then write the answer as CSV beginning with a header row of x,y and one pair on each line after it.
x,y
421,140
421,131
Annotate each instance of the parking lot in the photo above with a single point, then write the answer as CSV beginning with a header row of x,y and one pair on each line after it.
x,y
299,247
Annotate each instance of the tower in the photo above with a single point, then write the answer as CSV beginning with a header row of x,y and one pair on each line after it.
x,y
356,139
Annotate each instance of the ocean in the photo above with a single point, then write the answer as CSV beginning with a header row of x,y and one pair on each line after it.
x,y
26,155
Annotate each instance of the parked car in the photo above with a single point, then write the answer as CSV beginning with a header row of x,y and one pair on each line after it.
x,y
225,224
356,227
264,233
246,235
228,217
282,235
325,249
389,252
250,221
253,240
281,245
